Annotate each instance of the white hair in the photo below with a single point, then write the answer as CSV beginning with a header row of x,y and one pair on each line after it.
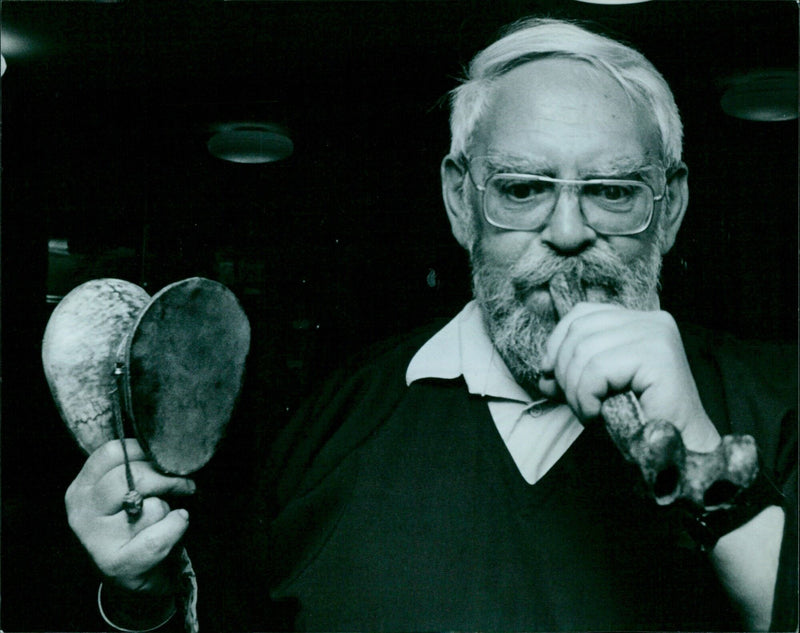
x,y
536,38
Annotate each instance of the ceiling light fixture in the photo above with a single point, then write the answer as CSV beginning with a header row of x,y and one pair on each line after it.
x,y
762,95
14,44
613,1
250,142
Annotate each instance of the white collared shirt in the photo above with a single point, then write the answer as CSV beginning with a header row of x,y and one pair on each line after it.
x,y
536,433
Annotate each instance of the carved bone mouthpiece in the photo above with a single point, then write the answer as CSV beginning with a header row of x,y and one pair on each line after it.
x,y
670,470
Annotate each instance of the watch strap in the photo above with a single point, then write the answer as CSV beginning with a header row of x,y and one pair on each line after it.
x,y
707,526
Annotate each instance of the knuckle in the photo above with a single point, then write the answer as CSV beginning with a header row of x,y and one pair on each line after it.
x,y
593,367
584,358
573,328
76,515
69,496
109,450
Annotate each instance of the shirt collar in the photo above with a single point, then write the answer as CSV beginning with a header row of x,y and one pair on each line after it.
x,y
463,348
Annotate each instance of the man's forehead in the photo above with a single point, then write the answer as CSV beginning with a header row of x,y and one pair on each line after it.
x,y
563,109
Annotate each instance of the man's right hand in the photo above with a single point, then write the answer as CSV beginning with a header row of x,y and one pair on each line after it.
x,y
129,553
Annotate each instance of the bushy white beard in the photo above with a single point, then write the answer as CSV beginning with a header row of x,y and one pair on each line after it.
x,y
519,329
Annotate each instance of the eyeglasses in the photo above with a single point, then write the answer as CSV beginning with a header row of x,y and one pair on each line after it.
x,y
525,202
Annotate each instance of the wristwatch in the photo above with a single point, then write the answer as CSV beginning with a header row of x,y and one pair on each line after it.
x,y
706,527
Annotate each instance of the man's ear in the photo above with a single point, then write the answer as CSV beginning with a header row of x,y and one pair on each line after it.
x,y
459,211
674,207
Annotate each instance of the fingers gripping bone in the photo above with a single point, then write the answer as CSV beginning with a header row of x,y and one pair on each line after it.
x,y
669,469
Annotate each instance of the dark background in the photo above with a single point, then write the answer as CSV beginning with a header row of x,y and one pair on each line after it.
x,y
104,125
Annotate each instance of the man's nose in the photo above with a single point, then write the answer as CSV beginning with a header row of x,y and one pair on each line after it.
x,y
566,230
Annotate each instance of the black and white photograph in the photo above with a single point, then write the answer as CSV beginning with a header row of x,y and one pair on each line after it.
x,y
399,315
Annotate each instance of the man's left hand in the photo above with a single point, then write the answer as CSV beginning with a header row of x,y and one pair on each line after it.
x,y
598,349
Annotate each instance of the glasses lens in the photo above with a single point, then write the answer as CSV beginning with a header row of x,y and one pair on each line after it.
x,y
518,201
525,202
615,207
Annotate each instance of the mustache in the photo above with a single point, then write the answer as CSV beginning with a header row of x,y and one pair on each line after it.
x,y
597,267
519,328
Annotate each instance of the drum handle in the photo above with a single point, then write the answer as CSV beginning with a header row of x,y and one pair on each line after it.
x,y
132,501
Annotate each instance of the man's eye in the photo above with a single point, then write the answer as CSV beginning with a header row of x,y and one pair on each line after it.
x,y
610,192
522,190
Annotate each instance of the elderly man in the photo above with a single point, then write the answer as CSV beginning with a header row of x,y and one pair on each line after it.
x,y
459,479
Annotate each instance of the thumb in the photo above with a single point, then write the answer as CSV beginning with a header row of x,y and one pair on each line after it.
x,y
152,545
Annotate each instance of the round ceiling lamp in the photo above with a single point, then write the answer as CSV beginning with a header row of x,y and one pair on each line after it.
x,y
763,95
250,143
613,1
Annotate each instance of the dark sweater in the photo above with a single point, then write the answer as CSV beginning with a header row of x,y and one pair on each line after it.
x,y
400,508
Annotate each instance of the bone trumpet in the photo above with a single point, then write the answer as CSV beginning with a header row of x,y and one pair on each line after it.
x,y
670,470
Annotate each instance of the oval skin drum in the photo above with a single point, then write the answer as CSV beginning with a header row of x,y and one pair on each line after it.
x,y
79,350
185,359
173,363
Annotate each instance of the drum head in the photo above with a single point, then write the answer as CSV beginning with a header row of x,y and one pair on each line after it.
x,y
186,359
83,335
